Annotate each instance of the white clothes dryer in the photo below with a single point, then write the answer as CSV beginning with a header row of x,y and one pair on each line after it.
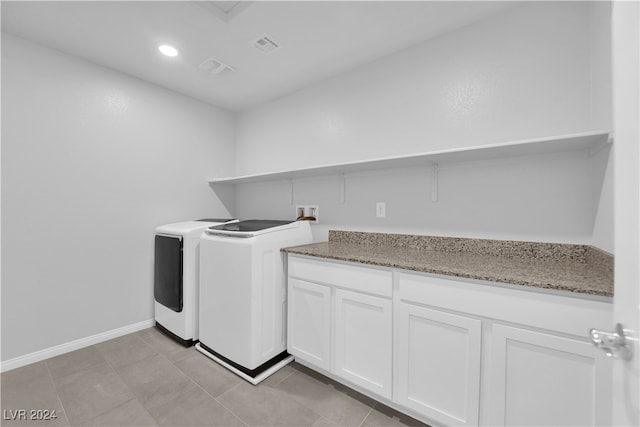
x,y
176,265
243,296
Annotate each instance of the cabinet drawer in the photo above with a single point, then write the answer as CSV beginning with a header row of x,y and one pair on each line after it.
x,y
559,313
362,279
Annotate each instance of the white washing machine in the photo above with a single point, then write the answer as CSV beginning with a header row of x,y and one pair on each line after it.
x,y
243,296
176,263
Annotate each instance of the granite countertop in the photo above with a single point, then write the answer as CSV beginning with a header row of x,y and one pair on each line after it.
x,y
576,268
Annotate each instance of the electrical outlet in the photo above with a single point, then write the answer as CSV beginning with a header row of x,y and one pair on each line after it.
x,y
381,210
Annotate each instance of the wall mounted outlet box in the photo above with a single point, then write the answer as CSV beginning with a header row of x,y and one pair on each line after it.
x,y
381,210
307,213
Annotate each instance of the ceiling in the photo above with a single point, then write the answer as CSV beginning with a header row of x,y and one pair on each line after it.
x,y
318,39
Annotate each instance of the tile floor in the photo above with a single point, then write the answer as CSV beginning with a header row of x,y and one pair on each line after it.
x,y
146,379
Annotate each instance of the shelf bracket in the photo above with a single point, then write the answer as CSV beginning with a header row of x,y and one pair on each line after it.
x,y
434,183
592,151
291,192
343,190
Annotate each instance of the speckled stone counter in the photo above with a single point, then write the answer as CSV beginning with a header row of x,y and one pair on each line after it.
x,y
576,268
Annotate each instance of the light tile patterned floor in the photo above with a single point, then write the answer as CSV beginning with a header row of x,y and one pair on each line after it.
x,y
146,379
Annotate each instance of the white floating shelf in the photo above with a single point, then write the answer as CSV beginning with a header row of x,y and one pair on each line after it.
x,y
591,141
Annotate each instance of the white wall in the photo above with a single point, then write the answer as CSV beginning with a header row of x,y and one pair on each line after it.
x,y
522,74
526,73
603,190
602,112
92,161
501,199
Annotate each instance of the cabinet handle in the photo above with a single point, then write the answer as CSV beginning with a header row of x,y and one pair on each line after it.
x,y
614,344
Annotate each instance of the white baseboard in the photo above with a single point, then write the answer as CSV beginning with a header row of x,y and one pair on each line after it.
x,y
37,356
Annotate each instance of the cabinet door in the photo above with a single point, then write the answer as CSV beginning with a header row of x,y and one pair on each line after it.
x,y
309,322
363,340
439,364
546,380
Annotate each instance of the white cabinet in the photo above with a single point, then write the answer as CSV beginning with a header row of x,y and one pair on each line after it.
x,y
540,370
309,322
544,379
449,351
340,320
363,340
439,364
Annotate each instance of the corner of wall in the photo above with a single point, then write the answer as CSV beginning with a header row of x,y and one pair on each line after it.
x,y
601,84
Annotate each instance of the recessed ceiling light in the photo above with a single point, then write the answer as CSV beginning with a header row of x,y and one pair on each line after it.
x,y
167,49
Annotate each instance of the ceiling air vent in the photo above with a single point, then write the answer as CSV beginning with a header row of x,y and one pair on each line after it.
x,y
266,44
214,66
